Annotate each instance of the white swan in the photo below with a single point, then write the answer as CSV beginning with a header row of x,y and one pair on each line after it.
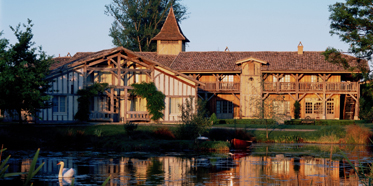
x,y
65,172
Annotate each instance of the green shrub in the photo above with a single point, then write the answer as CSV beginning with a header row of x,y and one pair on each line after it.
x,y
323,122
193,123
130,127
214,146
296,110
214,119
246,121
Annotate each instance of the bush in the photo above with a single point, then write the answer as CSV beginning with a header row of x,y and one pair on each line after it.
x,y
164,133
214,119
324,122
358,135
194,123
130,127
214,146
246,121
296,110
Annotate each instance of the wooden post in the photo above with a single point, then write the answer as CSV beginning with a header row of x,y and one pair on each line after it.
x,y
85,76
119,76
324,96
356,117
112,103
125,105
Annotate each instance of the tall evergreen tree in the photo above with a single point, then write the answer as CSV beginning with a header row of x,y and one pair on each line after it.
x,y
137,22
23,69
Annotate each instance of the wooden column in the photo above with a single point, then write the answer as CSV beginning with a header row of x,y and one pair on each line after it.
x,y
324,98
356,117
85,75
125,105
112,103
119,76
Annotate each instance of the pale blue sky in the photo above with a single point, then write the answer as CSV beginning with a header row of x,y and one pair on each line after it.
x,y
242,25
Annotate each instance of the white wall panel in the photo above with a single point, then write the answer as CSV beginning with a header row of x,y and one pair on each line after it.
x,y
64,84
167,90
70,111
161,86
167,108
50,114
172,87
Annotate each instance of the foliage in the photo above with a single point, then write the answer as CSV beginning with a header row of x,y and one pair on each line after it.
x,y
296,110
164,133
24,69
194,121
214,119
98,132
321,122
130,127
85,97
214,146
137,22
32,172
154,98
246,121
366,102
358,135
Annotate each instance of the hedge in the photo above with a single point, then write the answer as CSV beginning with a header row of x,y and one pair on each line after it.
x,y
325,122
245,121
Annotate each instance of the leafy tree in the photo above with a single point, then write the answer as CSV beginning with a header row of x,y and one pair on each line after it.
x,y
193,118
23,69
137,22
352,22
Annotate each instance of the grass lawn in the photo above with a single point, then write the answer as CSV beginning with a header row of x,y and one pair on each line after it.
x,y
269,126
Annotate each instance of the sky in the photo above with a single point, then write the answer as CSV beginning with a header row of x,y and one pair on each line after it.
x,y
71,26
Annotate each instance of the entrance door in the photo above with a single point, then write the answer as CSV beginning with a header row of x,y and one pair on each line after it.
x,y
224,109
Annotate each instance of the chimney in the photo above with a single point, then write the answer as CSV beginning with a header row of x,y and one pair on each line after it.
x,y
300,48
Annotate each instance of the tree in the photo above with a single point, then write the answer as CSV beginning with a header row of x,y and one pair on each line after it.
x,y
296,110
352,22
23,71
193,118
137,22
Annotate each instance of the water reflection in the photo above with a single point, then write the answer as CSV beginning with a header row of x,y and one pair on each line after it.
x,y
264,165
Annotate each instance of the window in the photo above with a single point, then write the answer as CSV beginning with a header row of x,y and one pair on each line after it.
x,y
315,78
174,105
317,108
228,78
286,78
313,106
138,104
308,107
330,106
224,107
59,104
281,107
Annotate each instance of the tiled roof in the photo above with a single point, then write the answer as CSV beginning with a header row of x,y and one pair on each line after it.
x,y
277,61
171,30
61,61
163,59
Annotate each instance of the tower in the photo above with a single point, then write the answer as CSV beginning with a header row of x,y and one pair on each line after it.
x,y
170,40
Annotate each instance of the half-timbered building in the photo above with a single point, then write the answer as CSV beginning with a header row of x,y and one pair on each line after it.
x,y
233,83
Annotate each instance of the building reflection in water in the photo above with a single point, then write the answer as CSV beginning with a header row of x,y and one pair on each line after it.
x,y
235,170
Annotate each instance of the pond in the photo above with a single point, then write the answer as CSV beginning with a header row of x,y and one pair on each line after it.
x,y
262,164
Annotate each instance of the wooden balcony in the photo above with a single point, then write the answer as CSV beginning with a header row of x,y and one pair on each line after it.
x,y
310,87
221,87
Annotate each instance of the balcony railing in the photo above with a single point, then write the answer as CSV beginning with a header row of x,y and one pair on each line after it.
x,y
222,86
138,116
101,116
310,86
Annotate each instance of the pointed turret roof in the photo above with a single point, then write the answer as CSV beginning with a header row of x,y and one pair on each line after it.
x,y
171,30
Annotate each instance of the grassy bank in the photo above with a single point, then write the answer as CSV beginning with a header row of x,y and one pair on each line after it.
x,y
164,138
100,137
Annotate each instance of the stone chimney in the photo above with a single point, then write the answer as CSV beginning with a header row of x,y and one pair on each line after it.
x,y
300,48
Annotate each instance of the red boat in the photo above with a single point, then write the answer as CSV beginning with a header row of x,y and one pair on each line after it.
x,y
240,144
